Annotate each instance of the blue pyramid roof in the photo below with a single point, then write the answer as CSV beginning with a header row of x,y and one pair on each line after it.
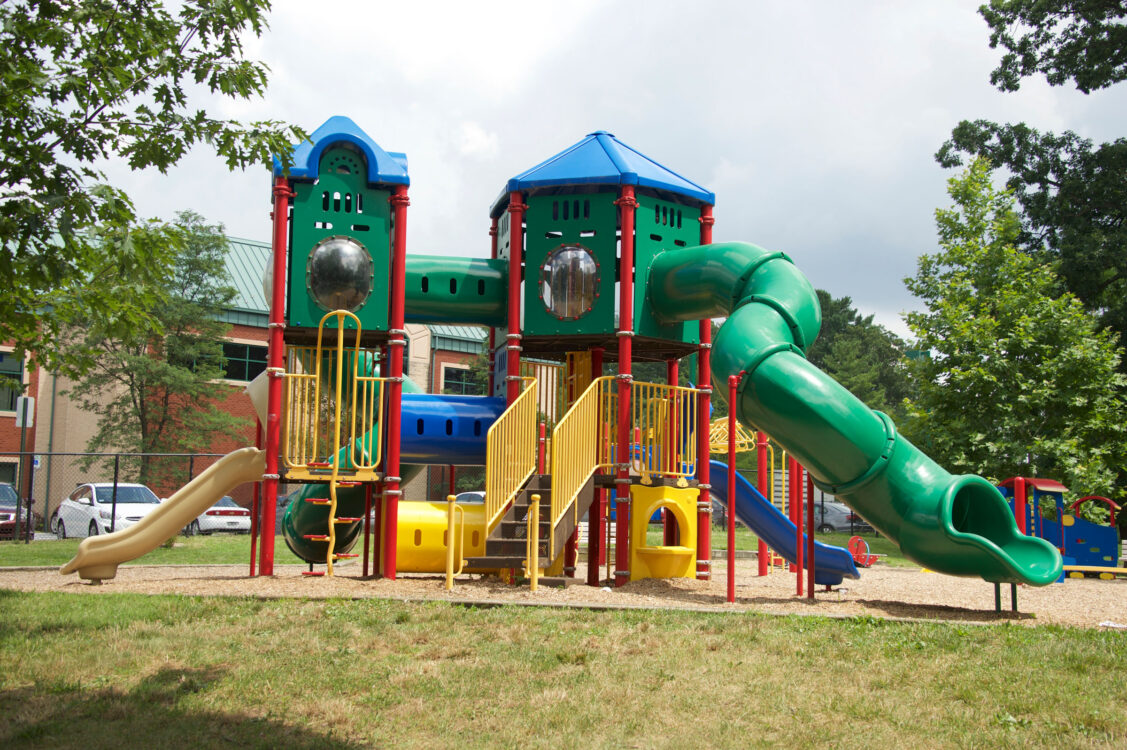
x,y
383,167
602,159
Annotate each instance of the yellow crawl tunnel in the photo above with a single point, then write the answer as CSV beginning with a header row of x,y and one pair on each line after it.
x,y
661,561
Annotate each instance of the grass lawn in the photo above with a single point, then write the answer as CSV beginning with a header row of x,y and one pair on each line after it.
x,y
747,540
235,550
118,670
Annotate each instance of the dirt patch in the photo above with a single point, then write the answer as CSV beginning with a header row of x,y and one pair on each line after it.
x,y
881,592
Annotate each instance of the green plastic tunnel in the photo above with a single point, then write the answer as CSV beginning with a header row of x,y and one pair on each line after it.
x,y
959,525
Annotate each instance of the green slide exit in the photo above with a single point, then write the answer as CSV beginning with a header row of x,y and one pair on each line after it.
x,y
959,525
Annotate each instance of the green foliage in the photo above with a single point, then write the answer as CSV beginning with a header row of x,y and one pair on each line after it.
x,y
82,82
1084,41
153,389
1072,193
866,358
1020,381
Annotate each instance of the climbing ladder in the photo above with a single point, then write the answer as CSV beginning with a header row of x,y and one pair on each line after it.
x,y
331,392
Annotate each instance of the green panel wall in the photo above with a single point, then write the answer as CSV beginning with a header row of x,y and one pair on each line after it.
x,y
340,203
661,225
589,220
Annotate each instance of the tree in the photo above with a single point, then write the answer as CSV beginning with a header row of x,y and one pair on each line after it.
x,y
866,358
1020,380
1073,193
1084,41
83,81
153,390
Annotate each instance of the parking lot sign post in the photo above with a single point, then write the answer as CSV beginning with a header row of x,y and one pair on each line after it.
x,y
25,417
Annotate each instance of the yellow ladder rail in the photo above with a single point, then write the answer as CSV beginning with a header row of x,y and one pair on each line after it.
x,y
510,453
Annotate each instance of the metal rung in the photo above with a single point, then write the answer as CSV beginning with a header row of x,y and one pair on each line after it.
x,y
345,519
319,463
317,537
349,484
345,555
313,572
318,501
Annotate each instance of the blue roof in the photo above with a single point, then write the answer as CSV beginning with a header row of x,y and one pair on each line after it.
x,y
383,167
602,159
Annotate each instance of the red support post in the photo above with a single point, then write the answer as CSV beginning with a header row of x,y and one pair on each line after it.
x,y
795,493
597,515
704,501
397,340
762,477
541,449
733,382
367,527
627,204
517,209
809,535
275,360
255,503
1020,500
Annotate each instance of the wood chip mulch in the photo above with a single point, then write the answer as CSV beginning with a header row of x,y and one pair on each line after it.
x,y
886,592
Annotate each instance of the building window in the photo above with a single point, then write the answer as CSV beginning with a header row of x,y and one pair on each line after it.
x,y
244,361
11,380
460,381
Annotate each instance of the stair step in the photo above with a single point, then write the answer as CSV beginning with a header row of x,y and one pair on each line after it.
x,y
512,547
313,573
496,561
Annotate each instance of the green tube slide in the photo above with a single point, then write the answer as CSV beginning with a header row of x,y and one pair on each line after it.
x,y
444,289
959,525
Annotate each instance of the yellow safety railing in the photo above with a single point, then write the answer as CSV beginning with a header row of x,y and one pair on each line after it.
x,y
510,453
326,387
664,418
452,509
581,445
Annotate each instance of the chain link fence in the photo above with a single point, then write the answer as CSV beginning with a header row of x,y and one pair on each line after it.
x,y
42,481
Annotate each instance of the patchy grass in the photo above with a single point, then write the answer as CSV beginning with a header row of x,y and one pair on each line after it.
x,y
118,670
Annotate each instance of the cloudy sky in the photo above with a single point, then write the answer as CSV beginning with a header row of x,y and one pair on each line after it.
x,y
815,123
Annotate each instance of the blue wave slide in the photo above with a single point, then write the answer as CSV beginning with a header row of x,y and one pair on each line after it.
x,y
831,564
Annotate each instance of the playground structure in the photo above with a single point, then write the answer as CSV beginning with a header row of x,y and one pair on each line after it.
x,y
599,255
1086,548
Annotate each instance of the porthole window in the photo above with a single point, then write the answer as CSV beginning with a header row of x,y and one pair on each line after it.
x,y
569,282
339,274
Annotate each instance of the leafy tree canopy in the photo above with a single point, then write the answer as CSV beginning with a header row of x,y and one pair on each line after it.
x,y
1071,192
82,81
1084,41
1020,380
153,390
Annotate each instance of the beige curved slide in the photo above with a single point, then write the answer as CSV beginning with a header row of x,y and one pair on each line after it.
x,y
99,556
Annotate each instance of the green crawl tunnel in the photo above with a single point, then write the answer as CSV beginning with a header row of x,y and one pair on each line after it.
x,y
959,525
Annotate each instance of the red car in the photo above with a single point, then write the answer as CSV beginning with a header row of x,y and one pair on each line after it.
x,y
8,502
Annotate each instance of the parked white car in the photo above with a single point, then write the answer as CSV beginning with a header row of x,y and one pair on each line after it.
x,y
225,515
89,510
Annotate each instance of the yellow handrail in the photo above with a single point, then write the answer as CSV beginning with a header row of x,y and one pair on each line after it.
x,y
452,508
664,419
510,453
581,445
532,543
312,414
